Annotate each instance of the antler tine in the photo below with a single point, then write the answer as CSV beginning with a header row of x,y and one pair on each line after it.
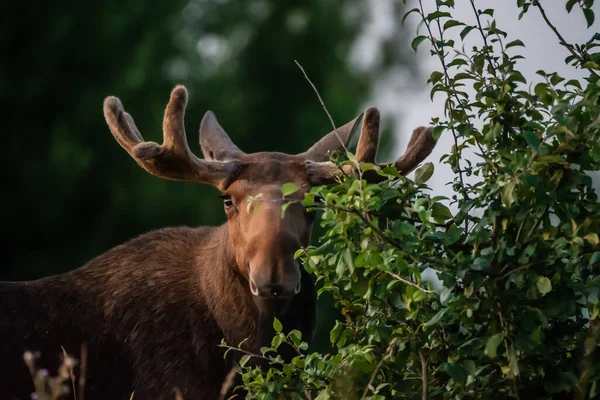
x,y
366,149
119,124
173,159
420,145
173,123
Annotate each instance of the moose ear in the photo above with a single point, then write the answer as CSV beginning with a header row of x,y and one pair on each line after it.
x,y
215,143
335,140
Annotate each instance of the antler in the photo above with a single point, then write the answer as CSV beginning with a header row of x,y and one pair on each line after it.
x,y
173,159
420,145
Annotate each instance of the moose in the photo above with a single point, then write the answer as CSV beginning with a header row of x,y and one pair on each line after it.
x,y
153,311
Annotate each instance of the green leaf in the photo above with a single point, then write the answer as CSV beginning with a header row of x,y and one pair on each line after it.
x,y
544,285
289,188
456,371
540,89
425,172
284,207
408,13
492,344
417,41
435,76
508,194
532,140
515,43
418,296
440,212
466,31
595,259
296,337
244,360
277,325
437,132
437,317
451,23
437,15
335,333
589,16
480,264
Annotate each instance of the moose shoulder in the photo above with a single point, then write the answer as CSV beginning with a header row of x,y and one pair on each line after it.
x,y
153,311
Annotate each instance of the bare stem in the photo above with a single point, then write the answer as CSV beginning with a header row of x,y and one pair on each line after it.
x,y
425,389
479,23
440,53
249,353
322,105
401,279
587,363
378,367
561,39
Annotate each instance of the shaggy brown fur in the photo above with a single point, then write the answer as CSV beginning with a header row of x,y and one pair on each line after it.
x,y
153,311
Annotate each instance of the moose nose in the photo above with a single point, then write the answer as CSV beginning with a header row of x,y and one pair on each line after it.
x,y
272,290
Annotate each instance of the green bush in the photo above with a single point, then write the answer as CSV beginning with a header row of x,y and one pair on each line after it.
x,y
519,259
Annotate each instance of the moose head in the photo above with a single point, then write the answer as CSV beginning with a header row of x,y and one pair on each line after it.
x,y
262,239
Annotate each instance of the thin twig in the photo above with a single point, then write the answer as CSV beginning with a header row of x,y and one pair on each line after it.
x,y
389,241
587,363
401,279
536,223
375,229
249,353
561,39
425,389
485,43
506,349
322,105
378,367
440,53
522,267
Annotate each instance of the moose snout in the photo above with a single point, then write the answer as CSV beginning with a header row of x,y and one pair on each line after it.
x,y
263,285
273,271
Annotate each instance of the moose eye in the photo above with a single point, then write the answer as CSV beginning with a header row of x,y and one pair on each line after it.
x,y
227,202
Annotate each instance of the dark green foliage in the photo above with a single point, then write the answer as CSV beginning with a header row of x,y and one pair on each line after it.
x,y
519,257
69,191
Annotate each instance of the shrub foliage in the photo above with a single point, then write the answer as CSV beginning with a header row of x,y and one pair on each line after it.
x,y
516,243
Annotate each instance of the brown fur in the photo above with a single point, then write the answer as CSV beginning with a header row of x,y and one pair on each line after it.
x,y
153,311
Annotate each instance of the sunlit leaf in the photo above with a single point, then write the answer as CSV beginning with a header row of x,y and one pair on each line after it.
x,y
544,285
493,343
289,188
423,173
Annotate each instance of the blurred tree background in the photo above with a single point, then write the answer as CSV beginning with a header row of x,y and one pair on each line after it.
x,y
70,192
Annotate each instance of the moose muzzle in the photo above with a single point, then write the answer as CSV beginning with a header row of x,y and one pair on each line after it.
x,y
273,270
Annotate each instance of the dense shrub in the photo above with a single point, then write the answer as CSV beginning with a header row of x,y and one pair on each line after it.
x,y
519,259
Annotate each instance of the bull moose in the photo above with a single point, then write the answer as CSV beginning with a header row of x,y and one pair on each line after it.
x,y
153,311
